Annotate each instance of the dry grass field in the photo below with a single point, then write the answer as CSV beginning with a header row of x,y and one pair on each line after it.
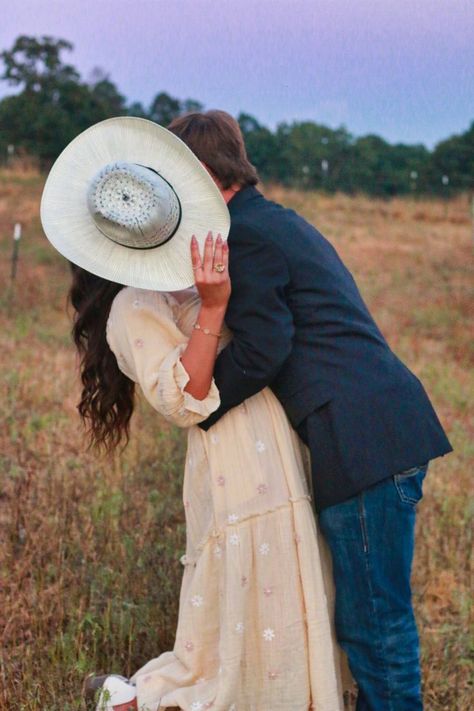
x,y
90,547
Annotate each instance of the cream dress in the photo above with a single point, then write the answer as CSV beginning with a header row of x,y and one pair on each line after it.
x,y
255,629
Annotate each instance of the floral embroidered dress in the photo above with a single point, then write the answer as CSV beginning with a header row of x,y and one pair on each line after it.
x,y
256,602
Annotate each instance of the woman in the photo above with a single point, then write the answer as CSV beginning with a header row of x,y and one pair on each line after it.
x,y
256,603
255,616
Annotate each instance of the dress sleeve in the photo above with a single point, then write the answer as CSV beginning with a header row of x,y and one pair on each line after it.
x,y
148,345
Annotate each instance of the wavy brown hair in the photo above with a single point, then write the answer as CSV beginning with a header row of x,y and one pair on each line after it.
x,y
107,398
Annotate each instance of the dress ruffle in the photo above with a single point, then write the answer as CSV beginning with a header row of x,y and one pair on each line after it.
x,y
288,656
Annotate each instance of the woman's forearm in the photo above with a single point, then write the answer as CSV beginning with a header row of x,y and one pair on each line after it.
x,y
200,355
213,284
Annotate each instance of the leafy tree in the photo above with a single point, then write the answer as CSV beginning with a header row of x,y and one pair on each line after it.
x,y
34,64
453,158
190,105
52,105
164,108
260,144
107,99
136,108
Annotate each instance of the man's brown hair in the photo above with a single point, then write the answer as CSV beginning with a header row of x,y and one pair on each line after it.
x,y
216,139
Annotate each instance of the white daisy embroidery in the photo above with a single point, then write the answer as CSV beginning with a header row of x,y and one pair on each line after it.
x,y
233,707
232,518
189,646
218,551
234,539
239,627
197,706
220,480
197,600
267,591
260,446
264,548
243,580
201,680
136,303
272,674
139,342
214,438
268,634
262,488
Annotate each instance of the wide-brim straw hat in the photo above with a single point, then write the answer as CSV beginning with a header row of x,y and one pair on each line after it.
x,y
123,200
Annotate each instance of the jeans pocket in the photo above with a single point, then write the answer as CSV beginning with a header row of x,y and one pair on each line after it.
x,y
409,484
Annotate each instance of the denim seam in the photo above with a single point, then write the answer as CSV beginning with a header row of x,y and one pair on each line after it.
x,y
379,645
406,499
363,523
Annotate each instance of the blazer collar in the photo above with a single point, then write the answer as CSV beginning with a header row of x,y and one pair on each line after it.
x,y
241,197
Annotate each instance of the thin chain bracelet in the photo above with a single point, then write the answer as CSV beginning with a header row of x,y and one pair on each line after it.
x,y
206,331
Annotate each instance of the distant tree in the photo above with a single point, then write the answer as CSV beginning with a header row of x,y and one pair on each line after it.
x,y
53,105
379,168
310,154
453,159
164,108
35,65
260,144
43,117
189,106
107,99
137,109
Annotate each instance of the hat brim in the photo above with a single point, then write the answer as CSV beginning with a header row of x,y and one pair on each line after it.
x,y
70,228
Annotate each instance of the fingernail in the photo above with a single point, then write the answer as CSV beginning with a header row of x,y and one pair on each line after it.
x,y
219,238
193,238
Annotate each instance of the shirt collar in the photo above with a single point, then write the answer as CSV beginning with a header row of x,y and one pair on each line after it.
x,y
241,197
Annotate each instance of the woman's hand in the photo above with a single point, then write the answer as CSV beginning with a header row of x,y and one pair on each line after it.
x,y
214,289
212,284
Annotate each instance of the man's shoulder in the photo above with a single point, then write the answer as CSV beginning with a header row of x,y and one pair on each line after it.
x,y
269,223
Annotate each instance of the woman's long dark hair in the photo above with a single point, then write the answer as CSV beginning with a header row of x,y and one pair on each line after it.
x,y
107,398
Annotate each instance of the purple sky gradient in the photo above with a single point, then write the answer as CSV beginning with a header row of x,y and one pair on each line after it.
x,y
403,69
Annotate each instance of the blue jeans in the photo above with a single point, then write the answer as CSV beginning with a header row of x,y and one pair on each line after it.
x,y
371,537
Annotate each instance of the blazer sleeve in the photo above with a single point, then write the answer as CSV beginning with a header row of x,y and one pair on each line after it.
x,y
259,317
148,346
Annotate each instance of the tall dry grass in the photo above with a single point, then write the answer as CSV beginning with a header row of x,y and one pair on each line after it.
x,y
90,548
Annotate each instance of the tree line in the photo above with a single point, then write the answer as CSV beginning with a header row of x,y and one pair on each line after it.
x,y
53,104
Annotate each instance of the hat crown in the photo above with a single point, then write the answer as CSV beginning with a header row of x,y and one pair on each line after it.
x,y
133,205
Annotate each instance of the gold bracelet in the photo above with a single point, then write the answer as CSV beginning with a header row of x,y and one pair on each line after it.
x,y
206,330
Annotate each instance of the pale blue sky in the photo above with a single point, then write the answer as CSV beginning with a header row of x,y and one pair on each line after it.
x,y
403,69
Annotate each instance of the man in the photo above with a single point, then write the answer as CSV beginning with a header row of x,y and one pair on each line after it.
x,y
301,327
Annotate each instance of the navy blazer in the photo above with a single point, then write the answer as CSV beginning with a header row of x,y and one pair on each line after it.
x,y
300,326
